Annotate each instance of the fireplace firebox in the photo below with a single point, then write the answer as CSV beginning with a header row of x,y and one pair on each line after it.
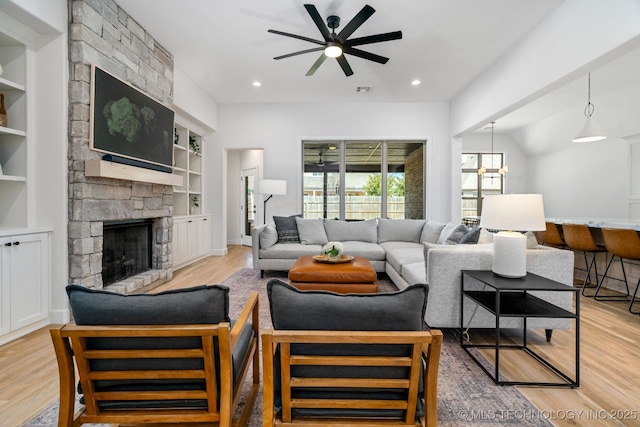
x,y
127,248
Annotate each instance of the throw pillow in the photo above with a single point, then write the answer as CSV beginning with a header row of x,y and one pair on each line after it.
x,y
532,242
311,231
452,233
485,236
400,230
471,237
268,236
431,231
359,231
287,228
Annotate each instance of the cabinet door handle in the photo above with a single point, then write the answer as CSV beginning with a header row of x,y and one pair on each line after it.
x,y
190,221
16,243
204,219
8,244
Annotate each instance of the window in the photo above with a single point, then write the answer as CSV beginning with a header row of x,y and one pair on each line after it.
x,y
475,187
360,180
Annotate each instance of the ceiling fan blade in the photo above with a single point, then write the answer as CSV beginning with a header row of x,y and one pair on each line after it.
x,y
315,66
344,65
365,55
295,36
315,49
376,38
317,19
364,14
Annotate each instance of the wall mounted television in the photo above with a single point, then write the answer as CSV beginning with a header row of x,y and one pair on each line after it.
x,y
127,123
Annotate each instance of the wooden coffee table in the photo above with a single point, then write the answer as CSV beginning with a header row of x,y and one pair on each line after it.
x,y
357,276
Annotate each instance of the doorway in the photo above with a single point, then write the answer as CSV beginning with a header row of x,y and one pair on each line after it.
x,y
248,204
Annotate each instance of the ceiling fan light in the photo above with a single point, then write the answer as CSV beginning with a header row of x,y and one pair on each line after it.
x,y
332,50
590,132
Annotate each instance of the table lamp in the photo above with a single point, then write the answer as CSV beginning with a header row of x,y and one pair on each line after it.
x,y
272,187
512,214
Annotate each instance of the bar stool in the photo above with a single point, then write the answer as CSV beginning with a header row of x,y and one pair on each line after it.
x,y
624,244
579,238
551,236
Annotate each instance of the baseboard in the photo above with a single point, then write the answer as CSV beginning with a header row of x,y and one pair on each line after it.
x,y
219,252
60,317
234,242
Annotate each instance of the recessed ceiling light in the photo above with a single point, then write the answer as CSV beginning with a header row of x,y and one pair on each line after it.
x,y
332,147
257,84
415,82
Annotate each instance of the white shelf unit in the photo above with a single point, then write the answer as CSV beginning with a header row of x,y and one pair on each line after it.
x,y
13,138
187,163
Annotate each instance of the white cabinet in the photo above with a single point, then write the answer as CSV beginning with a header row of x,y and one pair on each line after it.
x,y
191,239
24,284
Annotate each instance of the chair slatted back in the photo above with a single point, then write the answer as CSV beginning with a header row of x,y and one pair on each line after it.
x,y
425,344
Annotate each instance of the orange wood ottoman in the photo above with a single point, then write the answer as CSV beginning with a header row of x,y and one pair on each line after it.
x,y
357,276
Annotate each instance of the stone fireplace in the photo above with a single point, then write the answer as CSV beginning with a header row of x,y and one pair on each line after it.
x,y
102,33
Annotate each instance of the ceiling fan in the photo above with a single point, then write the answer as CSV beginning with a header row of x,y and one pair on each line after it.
x,y
321,163
336,45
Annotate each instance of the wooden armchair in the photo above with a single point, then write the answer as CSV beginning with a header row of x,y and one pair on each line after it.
x,y
161,373
422,364
349,359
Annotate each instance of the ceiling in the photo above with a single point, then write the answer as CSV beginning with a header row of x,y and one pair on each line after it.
x,y
224,46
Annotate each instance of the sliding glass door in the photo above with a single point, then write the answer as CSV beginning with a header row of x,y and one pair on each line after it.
x,y
360,180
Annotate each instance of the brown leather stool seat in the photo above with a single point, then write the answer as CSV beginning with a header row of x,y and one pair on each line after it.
x,y
624,244
579,238
551,236
357,276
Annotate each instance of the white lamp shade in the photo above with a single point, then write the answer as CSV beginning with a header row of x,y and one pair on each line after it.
x,y
590,132
276,187
516,212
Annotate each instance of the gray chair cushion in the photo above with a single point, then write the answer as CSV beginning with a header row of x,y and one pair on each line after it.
x,y
287,228
341,231
196,305
292,309
400,230
311,231
431,231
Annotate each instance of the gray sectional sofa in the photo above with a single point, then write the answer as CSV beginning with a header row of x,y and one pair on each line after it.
x,y
419,251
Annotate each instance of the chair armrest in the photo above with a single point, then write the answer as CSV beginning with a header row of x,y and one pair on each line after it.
x,y
431,356
250,309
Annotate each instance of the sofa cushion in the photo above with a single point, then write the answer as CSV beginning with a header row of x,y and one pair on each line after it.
x,y
414,273
400,257
289,251
342,231
268,236
471,237
431,231
311,231
371,251
400,230
452,233
287,228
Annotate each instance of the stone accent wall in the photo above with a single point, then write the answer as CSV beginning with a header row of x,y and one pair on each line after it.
x,y
102,33
414,185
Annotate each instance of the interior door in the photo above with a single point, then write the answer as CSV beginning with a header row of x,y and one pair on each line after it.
x,y
248,206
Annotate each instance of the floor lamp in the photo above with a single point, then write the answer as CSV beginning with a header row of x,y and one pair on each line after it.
x,y
272,187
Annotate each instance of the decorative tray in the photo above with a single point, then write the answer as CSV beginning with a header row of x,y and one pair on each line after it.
x,y
325,259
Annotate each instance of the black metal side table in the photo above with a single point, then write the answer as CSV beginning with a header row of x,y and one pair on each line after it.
x,y
506,297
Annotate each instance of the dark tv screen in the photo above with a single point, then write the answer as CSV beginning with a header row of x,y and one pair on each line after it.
x,y
126,122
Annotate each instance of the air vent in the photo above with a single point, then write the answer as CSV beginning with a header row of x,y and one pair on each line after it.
x,y
364,89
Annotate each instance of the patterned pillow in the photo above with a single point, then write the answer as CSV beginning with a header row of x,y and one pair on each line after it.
x,y
287,228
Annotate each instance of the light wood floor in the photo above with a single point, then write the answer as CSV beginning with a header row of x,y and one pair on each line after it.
x,y
610,362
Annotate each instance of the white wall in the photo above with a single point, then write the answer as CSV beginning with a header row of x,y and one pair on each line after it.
x,y
516,180
191,101
237,161
279,129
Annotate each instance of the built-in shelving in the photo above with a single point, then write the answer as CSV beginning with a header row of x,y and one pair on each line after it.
x,y
187,163
13,137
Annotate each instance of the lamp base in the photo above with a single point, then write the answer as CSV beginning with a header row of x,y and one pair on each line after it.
x,y
509,254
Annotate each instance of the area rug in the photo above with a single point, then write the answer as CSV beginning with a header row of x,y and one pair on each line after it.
x,y
466,395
